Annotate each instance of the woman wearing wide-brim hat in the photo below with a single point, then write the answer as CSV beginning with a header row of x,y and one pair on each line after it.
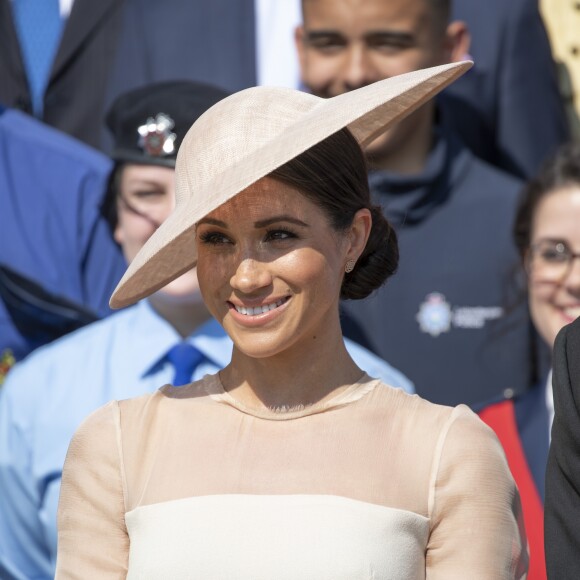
x,y
291,462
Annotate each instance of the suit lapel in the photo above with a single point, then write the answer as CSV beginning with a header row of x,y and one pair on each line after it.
x,y
85,16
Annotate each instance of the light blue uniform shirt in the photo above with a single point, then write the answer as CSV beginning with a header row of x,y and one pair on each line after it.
x,y
47,396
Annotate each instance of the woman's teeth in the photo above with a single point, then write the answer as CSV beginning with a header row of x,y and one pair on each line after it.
x,y
259,309
572,312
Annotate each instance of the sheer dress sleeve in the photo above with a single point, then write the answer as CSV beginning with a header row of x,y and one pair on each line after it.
x,y
92,537
477,526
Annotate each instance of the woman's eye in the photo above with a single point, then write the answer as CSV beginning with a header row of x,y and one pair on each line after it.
x,y
278,235
147,193
214,238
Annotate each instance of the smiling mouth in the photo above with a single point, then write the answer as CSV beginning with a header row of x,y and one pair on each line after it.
x,y
572,312
256,310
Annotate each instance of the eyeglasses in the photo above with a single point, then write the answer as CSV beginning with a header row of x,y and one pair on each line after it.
x,y
550,260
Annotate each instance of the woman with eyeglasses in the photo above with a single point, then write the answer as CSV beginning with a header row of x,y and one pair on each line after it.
x,y
547,234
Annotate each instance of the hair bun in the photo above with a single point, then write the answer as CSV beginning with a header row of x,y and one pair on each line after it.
x,y
378,261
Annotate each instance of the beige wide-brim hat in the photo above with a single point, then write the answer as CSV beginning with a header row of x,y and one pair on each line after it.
x,y
248,135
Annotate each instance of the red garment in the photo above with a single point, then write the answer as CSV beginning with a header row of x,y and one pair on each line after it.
x,y
502,419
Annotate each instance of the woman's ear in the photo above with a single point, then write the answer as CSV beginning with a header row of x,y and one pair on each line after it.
x,y
359,233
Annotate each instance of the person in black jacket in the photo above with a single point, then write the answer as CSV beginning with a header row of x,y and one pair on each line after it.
x,y
562,509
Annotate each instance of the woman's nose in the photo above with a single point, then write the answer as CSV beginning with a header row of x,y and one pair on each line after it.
x,y
250,275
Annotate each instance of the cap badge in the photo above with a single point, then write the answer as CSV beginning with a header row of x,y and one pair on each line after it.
x,y
155,136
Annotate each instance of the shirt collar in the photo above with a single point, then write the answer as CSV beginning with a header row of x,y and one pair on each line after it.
x,y
210,338
550,403
408,199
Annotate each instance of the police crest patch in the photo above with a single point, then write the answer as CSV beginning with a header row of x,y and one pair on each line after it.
x,y
434,316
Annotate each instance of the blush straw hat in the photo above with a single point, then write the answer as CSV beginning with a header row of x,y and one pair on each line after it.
x,y
248,135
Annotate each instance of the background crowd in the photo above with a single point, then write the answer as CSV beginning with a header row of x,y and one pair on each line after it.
x,y
482,186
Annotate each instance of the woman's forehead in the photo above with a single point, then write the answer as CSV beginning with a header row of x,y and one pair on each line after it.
x,y
265,198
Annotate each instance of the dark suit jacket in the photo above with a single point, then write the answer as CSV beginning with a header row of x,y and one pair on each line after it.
x,y
562,508
74,97
513,86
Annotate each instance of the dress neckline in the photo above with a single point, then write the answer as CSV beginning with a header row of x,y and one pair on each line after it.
x,y
350,394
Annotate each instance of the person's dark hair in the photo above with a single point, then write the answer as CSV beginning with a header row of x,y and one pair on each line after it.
x,y
440,9
109,203
333,175
558,172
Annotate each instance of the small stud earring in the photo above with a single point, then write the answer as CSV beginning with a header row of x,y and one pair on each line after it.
x,y
349,267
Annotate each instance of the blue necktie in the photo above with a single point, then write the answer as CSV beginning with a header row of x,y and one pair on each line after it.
x,y
185,358
39,26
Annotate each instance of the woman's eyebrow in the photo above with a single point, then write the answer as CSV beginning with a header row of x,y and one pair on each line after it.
x,y
212,222
280,218
259,224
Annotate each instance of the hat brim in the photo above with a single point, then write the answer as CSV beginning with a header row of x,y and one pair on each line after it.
x,y
366,112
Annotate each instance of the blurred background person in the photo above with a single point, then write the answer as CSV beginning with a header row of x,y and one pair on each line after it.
x,y
58,263
437,320
547,234
55,61
168,338
507,109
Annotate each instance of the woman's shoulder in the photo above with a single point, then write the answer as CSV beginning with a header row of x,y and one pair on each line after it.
x,y
413,407
441,427
148,405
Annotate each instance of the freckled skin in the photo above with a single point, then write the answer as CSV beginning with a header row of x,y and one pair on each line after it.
x,y
269,245
557,217
305,266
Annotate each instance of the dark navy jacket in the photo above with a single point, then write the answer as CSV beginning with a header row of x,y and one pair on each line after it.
x,y
442,318
51,230
508,107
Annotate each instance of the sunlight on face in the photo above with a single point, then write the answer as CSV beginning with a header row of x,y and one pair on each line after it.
x,y
270,269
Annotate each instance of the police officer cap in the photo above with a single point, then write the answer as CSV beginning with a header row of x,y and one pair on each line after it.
x,y
149,123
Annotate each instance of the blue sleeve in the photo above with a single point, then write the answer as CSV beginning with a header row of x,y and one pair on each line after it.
x,y
24,552
531,116
378,368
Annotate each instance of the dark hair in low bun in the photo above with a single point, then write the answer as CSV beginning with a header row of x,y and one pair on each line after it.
x,y
333,175
378,261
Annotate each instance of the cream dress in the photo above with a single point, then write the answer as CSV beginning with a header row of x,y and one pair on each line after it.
x,y
187,483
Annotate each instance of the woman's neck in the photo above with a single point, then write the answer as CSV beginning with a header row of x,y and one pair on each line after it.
x,y
302,375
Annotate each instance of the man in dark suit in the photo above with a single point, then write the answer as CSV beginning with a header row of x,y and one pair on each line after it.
x,y
112,46
562,510
75,82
